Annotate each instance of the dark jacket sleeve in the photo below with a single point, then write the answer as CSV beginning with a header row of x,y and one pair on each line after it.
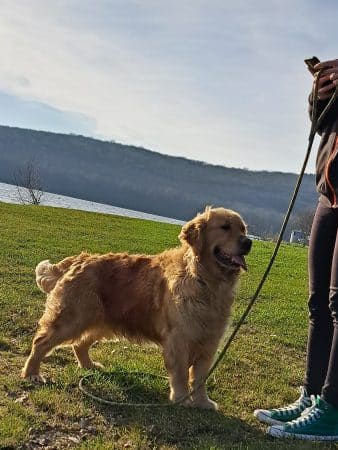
x,y
330,116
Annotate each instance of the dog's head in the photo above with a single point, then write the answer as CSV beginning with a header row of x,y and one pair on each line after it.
x,y
218,236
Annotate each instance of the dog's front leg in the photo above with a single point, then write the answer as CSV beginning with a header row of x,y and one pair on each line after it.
x,y
176,361
198,372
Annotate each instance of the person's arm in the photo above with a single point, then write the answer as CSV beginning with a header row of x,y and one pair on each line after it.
x,y
328,82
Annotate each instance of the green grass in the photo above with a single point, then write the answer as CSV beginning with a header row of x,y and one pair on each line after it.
x,y
263,367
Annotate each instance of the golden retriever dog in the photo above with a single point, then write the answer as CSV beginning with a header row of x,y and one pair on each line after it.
x,y
180,299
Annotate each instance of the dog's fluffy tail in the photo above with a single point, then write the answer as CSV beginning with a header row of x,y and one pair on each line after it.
x,y
48,274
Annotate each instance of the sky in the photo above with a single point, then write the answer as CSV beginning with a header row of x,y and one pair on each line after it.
x,y
215,80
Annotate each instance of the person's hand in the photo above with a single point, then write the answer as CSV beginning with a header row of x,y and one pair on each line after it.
x,y
328,80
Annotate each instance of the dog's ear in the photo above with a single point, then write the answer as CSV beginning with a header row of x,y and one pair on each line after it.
x,y
193,233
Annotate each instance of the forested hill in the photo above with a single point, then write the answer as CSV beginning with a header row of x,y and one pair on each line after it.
x,y
135,178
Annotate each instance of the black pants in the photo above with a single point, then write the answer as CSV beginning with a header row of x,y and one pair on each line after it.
x,y
322,351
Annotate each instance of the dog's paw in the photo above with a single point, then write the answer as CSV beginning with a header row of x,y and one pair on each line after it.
x,y
92,365
205,404
187,403
34,378
176,400
98,366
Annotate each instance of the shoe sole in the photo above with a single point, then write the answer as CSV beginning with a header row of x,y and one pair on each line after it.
x,y
264,418
309,437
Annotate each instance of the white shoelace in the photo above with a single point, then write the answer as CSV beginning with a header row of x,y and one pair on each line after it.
x,y
310,415
302,404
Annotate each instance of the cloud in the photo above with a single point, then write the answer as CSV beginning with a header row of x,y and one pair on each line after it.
x,y
217,81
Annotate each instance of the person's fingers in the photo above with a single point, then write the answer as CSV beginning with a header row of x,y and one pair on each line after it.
x,y
327,82
325,87
329,71
334,79
326,91
322,80
325,96
323,64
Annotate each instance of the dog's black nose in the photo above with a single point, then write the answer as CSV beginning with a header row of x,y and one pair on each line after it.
x,y
246,244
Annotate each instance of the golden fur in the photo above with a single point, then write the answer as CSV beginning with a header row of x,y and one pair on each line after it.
x,y
180,299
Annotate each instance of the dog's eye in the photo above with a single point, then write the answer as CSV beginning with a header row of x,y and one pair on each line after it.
x,y
225,227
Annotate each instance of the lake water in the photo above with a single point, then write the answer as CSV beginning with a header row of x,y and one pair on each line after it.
x,y
9,194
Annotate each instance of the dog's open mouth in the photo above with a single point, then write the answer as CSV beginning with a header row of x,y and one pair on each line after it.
x,y
234,262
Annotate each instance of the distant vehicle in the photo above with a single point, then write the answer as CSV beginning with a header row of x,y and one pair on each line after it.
x,y
298,237
254,237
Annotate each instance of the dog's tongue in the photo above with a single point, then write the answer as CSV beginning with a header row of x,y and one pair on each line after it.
x,y
240,260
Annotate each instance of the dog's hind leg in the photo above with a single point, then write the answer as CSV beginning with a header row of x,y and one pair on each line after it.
x,y
81,349
53,331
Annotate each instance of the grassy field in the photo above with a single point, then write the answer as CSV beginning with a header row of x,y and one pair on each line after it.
x,y
263,368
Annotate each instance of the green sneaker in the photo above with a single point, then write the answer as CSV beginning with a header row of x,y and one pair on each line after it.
x,y
319,424
287,413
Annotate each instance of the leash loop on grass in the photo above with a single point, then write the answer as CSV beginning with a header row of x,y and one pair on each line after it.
x,y
314,127
89,394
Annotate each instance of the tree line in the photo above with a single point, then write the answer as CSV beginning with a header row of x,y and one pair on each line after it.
x,y
139,179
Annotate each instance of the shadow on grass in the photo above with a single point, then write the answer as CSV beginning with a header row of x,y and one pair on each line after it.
x,y
164,424
5,346
57,358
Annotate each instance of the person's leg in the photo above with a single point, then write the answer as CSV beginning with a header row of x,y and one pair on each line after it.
x,y
330,388
321,249
322,243
320,422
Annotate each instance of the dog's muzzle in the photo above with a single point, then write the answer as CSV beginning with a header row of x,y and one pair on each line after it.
x,y
245,245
